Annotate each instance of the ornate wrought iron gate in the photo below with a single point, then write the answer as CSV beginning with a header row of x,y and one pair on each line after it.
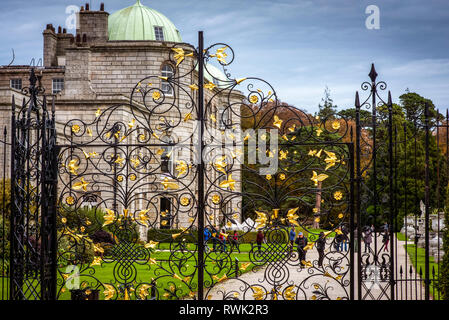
x,y
33,212
137,200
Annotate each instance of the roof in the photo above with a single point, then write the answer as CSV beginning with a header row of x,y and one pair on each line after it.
x,y
137,22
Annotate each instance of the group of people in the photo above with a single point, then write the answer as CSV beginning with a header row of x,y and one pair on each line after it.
x,y
220,239
367,237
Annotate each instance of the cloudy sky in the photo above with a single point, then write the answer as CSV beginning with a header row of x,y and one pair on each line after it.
x,y
299,46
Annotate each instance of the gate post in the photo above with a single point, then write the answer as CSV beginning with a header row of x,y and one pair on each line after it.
x,y
200,117
351,221
14,275
48,209
427,200
357,200
391,193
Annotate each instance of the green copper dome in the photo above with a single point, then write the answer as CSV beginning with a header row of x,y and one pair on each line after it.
x,y
138,23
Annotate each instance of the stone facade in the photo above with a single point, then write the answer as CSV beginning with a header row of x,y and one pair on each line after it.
x,y
101,74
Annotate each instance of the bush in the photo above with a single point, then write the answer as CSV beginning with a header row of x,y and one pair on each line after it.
x,y
73,252
79,217
102,236
4,239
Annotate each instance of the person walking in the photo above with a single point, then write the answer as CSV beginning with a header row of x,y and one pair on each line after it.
x,y
207,236
291,237
338,239
301,242
222,238
259,240
320,246
385,239
214,235
234,241
368,238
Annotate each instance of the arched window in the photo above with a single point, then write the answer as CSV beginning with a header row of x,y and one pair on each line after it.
x,y
167,71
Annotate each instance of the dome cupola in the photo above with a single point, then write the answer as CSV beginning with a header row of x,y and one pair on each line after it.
x,y
140,23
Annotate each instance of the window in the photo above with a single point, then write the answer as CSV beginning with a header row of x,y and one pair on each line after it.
x,y
167,71
159,33
165,217
58,85
16,84
167,156
223,118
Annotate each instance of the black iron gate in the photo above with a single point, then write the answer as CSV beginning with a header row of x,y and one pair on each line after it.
x,y
33,189
139,200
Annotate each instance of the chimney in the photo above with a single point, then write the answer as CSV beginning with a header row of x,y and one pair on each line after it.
x,y
102,6
50,46
94,24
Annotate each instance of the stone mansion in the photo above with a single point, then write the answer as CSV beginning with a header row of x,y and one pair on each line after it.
x,y
98,68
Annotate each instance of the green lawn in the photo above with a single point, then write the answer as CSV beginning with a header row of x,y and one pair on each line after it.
x,y
164,273
401,236
420,265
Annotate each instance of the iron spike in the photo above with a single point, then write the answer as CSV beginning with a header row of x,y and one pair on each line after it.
x,y
373,74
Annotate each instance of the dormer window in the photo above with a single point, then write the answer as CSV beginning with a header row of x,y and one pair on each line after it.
x,y
159,33
16,84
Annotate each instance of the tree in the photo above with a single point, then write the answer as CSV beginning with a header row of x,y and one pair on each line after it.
x,y
414,104
327,109
349,114
409,152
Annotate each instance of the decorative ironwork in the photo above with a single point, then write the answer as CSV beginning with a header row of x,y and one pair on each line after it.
x,y
32,187
136,201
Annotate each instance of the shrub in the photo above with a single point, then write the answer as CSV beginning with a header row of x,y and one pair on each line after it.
x,y
4,239
102,236
73,252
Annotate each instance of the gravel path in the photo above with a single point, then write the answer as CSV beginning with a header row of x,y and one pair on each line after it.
x,y
315,283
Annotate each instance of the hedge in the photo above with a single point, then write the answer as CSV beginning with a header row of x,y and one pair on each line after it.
x,y
165,235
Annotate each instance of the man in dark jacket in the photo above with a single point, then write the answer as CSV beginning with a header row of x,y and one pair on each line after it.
x,y
259,240
320,246
301,242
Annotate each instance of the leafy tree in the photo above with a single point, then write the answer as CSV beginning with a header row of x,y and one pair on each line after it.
x,y
409,150
349,114
414,105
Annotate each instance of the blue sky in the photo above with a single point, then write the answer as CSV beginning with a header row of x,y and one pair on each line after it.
x,y
299,46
